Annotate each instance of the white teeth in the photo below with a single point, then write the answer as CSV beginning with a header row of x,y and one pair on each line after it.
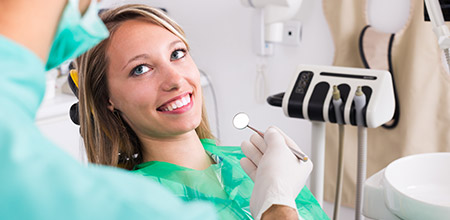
x,y
184,101
177,104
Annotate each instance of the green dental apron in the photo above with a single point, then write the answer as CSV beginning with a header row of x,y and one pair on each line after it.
x,y
224,183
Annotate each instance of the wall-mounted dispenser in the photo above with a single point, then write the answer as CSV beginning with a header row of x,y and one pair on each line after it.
x,y
271,17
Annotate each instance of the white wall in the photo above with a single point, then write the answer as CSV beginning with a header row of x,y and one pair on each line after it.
x,y
220,35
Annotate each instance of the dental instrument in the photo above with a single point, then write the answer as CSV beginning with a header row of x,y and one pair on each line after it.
x,y
360,103
241,121
337,104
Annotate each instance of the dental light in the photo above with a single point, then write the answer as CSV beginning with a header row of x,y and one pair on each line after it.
x,y
273,14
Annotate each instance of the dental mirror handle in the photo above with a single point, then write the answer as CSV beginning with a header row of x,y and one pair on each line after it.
x,y
297,153
255,130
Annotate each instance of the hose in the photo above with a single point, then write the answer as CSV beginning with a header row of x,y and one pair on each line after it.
x,y
337,103
360,102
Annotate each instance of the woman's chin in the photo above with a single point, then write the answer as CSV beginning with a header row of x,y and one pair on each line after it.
x,y
183,129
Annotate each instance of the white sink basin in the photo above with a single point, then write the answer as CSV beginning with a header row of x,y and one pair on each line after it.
x,y
413,187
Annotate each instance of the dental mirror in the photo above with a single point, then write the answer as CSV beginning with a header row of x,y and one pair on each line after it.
x,y
241,121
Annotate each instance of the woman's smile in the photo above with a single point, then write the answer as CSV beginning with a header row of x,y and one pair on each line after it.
x,y
177,105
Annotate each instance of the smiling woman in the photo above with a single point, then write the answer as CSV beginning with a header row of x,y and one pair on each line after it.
x,y
139,88
141,108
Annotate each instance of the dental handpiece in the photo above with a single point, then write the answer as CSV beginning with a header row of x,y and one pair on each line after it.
x,y
360,102
241,121
337,102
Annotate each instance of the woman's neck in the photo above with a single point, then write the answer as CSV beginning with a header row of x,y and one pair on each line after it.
x,y
185,150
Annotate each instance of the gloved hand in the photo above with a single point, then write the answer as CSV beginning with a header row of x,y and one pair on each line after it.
x,y
278,174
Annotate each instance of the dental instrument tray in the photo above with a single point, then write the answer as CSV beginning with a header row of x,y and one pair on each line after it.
x,y
309,95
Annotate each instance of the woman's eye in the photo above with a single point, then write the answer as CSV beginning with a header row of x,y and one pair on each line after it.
x,y
178,54
139,70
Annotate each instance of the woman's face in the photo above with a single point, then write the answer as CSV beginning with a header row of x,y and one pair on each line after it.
x,y
153,80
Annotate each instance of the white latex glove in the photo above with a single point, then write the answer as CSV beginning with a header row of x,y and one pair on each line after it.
x,y
278,175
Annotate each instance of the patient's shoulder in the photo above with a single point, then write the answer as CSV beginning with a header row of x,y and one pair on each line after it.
x,y
228,152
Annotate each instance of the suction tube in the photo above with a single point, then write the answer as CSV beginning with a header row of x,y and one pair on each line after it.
x,y
360,102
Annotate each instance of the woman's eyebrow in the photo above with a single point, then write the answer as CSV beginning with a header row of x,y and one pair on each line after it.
x,y
145,56
137,57
175,42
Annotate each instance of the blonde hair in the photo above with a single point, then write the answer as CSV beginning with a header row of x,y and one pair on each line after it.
x,y
107,137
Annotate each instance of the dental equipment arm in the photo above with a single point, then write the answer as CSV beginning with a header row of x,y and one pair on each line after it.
x,y
278,175
440,29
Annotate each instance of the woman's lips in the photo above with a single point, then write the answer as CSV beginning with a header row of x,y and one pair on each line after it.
x,y
176,103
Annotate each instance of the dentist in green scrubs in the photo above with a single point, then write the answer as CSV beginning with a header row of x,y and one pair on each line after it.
x,y
40,181
37,179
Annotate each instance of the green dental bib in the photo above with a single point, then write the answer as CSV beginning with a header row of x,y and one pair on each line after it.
x,y
224,184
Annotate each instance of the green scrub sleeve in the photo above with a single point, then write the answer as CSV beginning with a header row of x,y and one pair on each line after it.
x,y
40,181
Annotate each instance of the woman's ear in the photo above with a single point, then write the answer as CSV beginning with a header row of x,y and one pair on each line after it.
x,y
111,106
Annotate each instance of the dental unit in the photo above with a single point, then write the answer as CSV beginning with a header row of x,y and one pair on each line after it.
x,y
346,96
415,186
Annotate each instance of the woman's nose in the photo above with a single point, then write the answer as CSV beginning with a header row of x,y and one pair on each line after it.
x,y
172,78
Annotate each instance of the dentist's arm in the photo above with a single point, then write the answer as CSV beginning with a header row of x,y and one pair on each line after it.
x,y
278,175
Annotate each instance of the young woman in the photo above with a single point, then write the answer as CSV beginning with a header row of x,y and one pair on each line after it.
x,y
141,108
